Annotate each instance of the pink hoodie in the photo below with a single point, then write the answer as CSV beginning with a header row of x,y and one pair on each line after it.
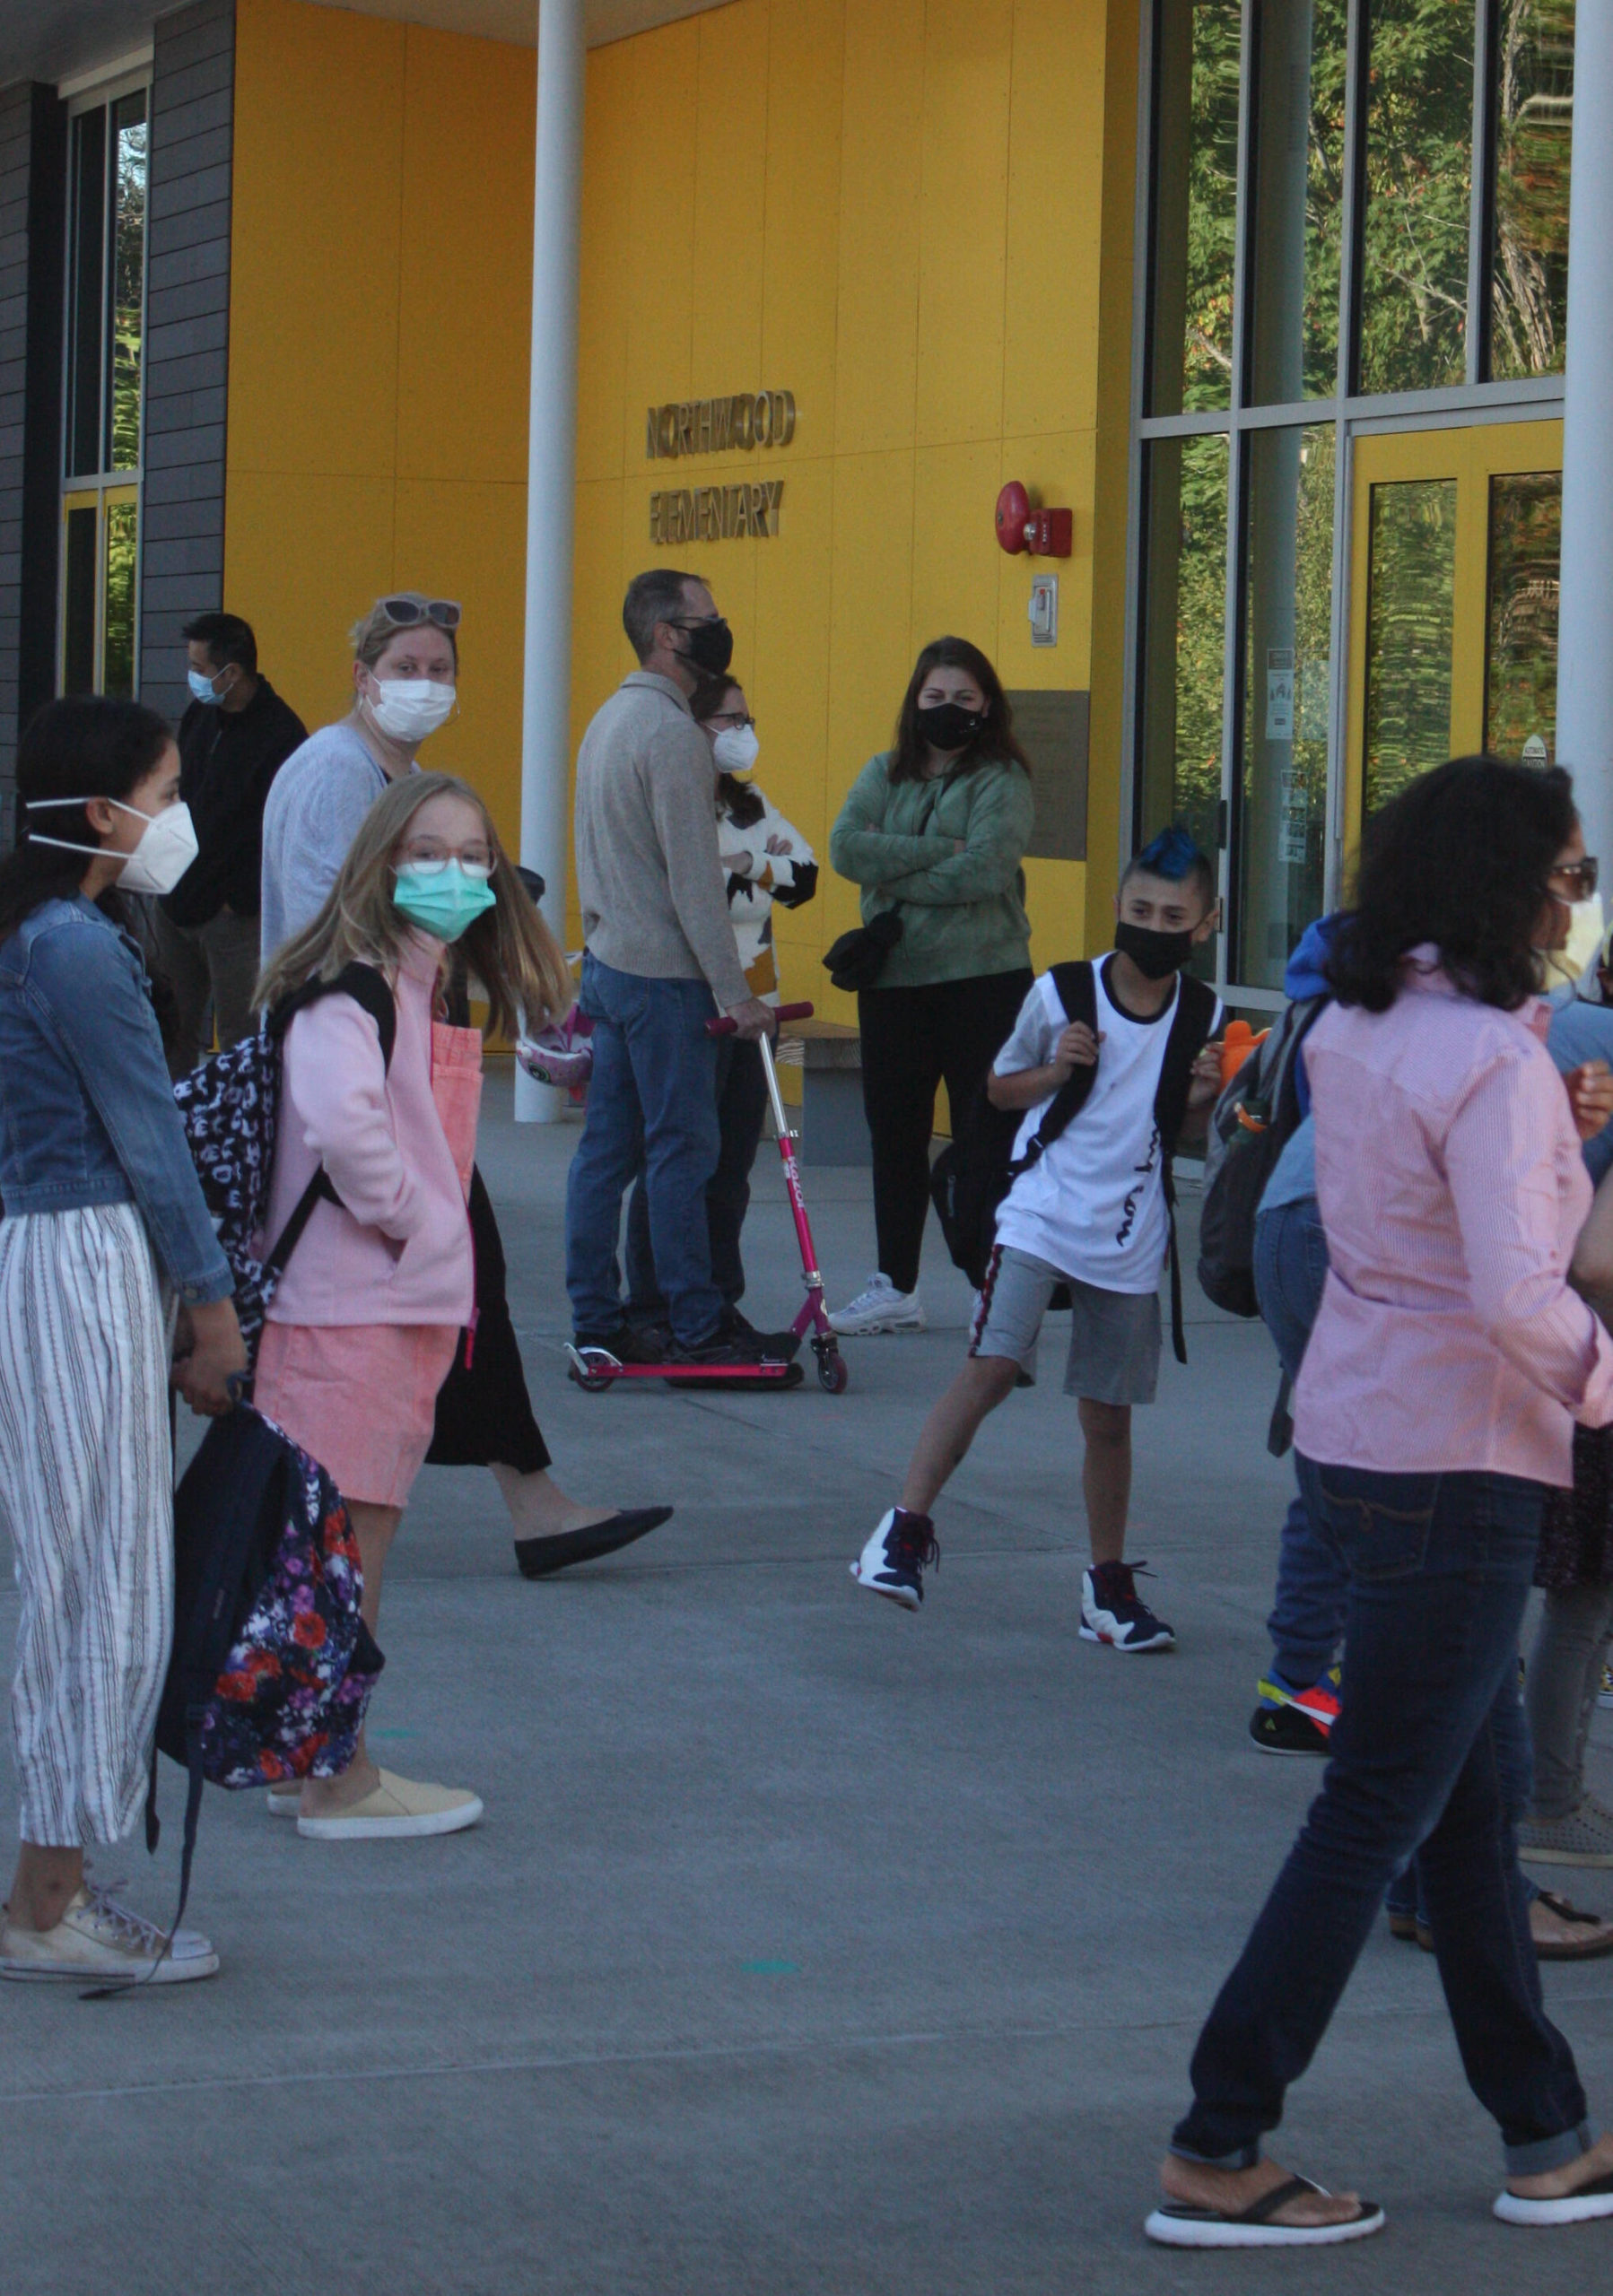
x,y
397,1249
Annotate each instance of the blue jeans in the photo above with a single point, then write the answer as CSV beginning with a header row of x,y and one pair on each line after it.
x,y
1307,1618
1429,1756
741,1106
653,1098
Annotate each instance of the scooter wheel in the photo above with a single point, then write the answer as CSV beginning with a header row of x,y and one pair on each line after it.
x,y
592,1382
833,1374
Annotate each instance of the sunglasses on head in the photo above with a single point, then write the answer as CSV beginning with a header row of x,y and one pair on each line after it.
x,y
407,611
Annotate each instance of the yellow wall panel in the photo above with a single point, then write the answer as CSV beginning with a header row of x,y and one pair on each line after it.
x,y
1055,212
305,554
882,156
956,551
805,68
731,199
465,266
316,238
606,266
1055,469
968,56
660,221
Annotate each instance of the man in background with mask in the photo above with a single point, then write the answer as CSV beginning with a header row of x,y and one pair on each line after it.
x,y
234,737
661,961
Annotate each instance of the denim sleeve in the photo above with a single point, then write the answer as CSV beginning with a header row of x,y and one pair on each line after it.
x,y
90,990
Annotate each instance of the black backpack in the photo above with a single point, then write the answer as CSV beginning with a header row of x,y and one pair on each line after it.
x,y
229,1107
968,1182
1254,1120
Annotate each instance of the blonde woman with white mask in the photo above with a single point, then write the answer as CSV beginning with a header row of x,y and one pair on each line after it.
x,y
405,675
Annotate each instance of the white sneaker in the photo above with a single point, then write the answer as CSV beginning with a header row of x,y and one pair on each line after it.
x,y
880,1307
893,1561
101,1941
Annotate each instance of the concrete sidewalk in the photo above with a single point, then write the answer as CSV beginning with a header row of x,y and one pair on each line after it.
x,y
805,1945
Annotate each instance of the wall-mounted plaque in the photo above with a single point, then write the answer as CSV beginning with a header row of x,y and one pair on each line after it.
x,y
1052,728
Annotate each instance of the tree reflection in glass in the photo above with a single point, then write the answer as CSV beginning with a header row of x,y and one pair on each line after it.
x,y
1521,621
117,644
1195,206
1411,572
1419,159
1300,46
128,281
1184,614
1534,138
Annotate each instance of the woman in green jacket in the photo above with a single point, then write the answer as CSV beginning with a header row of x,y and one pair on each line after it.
x,y
936,828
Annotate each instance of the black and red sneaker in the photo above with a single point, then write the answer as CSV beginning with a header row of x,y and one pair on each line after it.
x,y
1112,1612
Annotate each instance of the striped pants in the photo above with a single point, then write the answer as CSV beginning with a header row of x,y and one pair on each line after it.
x,y
86,1492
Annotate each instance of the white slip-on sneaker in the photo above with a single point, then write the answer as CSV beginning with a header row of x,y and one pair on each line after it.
x,y
879,1307
283,1800
1583,1837
100,1942
397,1810
892,1563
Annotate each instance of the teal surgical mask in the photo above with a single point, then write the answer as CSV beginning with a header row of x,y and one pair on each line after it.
x,y
442,898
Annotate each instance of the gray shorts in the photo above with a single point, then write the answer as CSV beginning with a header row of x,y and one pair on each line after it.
x,y
1115,1337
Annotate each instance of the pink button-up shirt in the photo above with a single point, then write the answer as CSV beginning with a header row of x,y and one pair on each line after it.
x,y
1452,1191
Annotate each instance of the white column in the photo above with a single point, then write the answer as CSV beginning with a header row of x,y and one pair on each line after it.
x,y
1584,742
551,477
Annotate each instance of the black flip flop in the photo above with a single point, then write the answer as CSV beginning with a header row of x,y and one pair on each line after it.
x,y
1592,2200
1176,2225
1597,1940
542,1558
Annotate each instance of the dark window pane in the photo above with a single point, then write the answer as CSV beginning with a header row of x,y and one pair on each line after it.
x,y
128,282
117,646
1419,157
78,605
1298,199
1195,206
1521,670
1534,136
1411,572
86,298
1279,831
1183,617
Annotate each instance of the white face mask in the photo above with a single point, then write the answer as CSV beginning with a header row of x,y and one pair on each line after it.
x,y
167,846
409,709
736,750
1584,945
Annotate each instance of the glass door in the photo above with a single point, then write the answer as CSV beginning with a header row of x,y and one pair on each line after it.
x,y
1455,539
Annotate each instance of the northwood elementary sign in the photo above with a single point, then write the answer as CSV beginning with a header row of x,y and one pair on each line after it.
x,y
718,426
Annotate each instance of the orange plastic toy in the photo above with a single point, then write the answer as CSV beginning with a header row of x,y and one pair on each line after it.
x,y
1239,1041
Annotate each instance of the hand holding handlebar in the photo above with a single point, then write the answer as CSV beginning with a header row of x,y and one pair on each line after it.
x,y
731,1026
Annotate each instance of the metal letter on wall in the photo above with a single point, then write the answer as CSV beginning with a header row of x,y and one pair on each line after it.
x,y
1053,732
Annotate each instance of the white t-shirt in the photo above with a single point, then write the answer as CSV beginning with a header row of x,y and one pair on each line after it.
x,y
1093,1206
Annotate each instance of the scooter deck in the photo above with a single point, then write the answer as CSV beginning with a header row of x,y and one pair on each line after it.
x,y
595,1365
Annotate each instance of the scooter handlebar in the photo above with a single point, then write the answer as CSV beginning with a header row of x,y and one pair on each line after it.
x,y
725,1027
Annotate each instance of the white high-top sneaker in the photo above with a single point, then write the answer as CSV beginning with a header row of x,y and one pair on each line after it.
x,y
880,1307
893,1561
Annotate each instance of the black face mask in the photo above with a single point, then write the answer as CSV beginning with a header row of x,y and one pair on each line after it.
x,y
1154,954
710,647
948,725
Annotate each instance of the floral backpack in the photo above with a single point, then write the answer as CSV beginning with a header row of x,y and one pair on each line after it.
x,y
230,1107
273,1666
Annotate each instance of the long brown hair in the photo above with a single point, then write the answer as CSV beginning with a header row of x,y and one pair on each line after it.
x,y
510,951
740,800
994,744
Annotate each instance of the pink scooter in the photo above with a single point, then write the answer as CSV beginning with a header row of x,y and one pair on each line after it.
x,y
597,1368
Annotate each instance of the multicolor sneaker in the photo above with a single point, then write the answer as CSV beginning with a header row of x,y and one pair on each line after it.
x,y
1604,1696
1112,1611
893,1561
1292,1721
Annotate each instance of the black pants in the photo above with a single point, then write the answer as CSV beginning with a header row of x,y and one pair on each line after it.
x,y
741,1105
914,1040
483,1411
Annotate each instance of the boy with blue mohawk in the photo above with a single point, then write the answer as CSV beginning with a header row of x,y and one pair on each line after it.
x,y
1111,1063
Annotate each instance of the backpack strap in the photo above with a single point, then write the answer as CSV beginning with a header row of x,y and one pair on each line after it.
x,y
1191,1024
1076,983
368,987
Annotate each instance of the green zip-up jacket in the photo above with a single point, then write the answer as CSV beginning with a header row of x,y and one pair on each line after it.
x,y
963,914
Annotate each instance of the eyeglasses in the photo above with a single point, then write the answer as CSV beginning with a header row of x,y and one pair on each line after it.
x,y
431,857
1576,879
735,719
407,611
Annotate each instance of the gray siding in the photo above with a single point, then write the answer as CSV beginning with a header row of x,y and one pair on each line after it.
x,y
187,338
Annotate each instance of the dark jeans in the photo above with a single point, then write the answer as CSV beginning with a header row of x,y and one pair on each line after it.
x,y
914,1040
653,1098
1429,1756
741,1105
1307,1617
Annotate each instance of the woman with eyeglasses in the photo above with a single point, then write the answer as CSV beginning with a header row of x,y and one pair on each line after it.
x,y
768,864
1448,1366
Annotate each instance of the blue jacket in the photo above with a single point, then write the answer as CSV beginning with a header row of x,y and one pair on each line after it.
x,y
1293,1178
87,1113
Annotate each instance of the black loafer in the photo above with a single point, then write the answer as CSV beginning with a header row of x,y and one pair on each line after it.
x,y
541,1558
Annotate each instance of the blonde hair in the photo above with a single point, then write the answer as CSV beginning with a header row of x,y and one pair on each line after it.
x,y
510,948
374,631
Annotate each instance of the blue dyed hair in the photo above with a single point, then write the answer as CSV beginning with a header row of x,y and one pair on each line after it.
x,y
1174,855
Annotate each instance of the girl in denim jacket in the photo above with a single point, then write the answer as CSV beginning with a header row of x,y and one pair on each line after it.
x,y
104,1228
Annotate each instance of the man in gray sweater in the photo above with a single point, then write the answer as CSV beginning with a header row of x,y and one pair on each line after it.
x,y
660,962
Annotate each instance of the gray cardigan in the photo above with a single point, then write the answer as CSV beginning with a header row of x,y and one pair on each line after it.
x,y
316,802
651,886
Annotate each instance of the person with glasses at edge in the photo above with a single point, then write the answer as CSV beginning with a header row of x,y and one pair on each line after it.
x,y
234,737
406,673
661,961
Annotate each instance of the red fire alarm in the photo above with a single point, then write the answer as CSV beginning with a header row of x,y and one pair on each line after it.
x,y
1040,534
